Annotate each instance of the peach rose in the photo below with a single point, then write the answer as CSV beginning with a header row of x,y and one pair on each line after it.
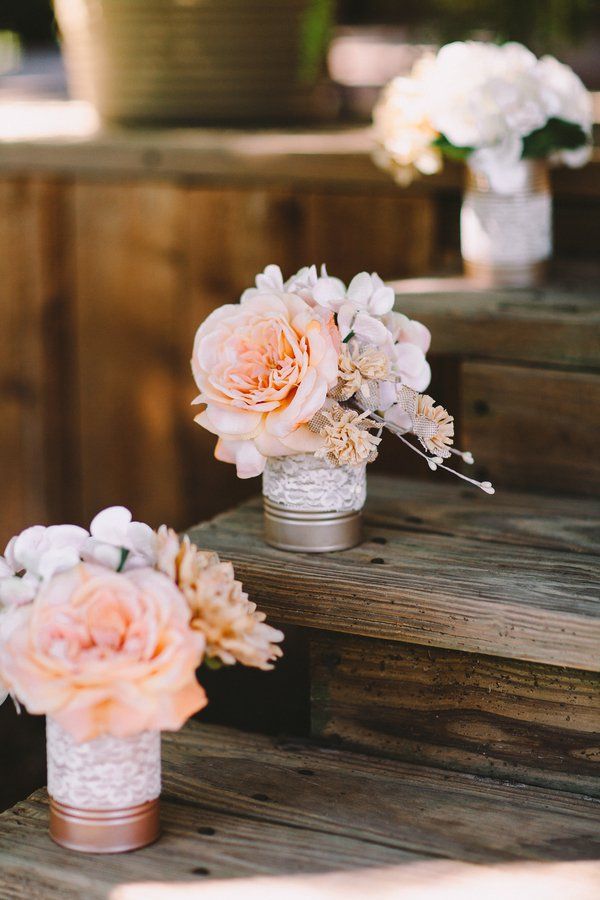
x,y
263,368
105,653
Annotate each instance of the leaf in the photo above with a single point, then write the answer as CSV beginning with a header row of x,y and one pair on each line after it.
x,y
450,150
556,134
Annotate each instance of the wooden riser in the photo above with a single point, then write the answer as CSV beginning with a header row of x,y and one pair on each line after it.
x,y
466,712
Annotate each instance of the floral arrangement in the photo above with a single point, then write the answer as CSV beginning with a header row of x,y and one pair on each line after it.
x,y
104,630
310,366
488,104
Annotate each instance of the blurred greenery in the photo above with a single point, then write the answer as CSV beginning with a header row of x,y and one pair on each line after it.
x,y
544,25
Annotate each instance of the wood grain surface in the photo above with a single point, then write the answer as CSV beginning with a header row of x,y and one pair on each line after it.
x,y
533,427
553,325
239,805
512,575
501,718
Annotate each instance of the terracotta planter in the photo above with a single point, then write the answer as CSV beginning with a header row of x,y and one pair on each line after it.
x,y
103,793
312,506
506,229
199,60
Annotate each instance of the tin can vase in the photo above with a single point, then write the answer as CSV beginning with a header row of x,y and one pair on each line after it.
x,y
103,793
312,506
506,225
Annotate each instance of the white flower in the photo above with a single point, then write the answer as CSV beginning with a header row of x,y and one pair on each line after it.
x,y
17,590
409,341
358,307
270,281
5,569
403,131
44,551
563,93
478,93
118,543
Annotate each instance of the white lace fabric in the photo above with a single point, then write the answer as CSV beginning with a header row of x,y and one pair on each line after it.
x,y
305,483
106,773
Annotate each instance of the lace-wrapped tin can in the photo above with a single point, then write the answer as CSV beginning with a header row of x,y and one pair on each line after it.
x,y
103,793
506,225
311,505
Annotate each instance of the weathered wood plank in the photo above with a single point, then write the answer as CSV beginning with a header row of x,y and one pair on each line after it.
x,y
35,445
130,243
553,325
500,718
238,804
438,587
335,154
533,428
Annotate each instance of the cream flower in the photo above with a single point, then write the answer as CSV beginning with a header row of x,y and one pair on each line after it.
x,y
359,369
347,439
433,426
403,132
263,368
235,631
105,653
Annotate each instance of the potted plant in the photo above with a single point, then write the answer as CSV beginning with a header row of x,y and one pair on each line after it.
x,y
509,116
200,60
299,380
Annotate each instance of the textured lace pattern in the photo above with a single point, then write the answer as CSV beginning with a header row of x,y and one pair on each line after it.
x,y
305,483
107,773
506,229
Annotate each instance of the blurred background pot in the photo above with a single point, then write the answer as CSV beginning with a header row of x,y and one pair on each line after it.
x,y
506,225
195,60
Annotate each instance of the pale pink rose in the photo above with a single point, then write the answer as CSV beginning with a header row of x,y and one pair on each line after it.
x,y
263,368
105,653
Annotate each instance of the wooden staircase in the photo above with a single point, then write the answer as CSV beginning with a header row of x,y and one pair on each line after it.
x,y
463,633
450,663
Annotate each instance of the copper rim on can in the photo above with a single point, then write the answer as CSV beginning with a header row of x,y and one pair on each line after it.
x,y
104,831
311,531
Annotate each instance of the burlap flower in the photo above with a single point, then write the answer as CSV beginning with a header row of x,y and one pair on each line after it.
x,y
346,435
234,630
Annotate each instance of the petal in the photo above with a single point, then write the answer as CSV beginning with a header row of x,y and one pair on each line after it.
x,y
105,554
360,289
15,591
381,301
225,420
302,440
369,329
329,292
5,570
248,460
111,524
58,559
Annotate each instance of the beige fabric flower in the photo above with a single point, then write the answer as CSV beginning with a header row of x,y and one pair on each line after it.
x,y
357,368
235,631
433,425
347,439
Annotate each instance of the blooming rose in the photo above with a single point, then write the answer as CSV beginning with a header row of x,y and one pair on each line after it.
x,y
104,653
263,368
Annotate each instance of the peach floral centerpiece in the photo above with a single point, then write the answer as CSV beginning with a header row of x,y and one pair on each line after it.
x,y
102,632
299,380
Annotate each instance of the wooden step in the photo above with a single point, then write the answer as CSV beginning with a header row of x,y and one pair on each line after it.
x,y
239,805
520,370
464,632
